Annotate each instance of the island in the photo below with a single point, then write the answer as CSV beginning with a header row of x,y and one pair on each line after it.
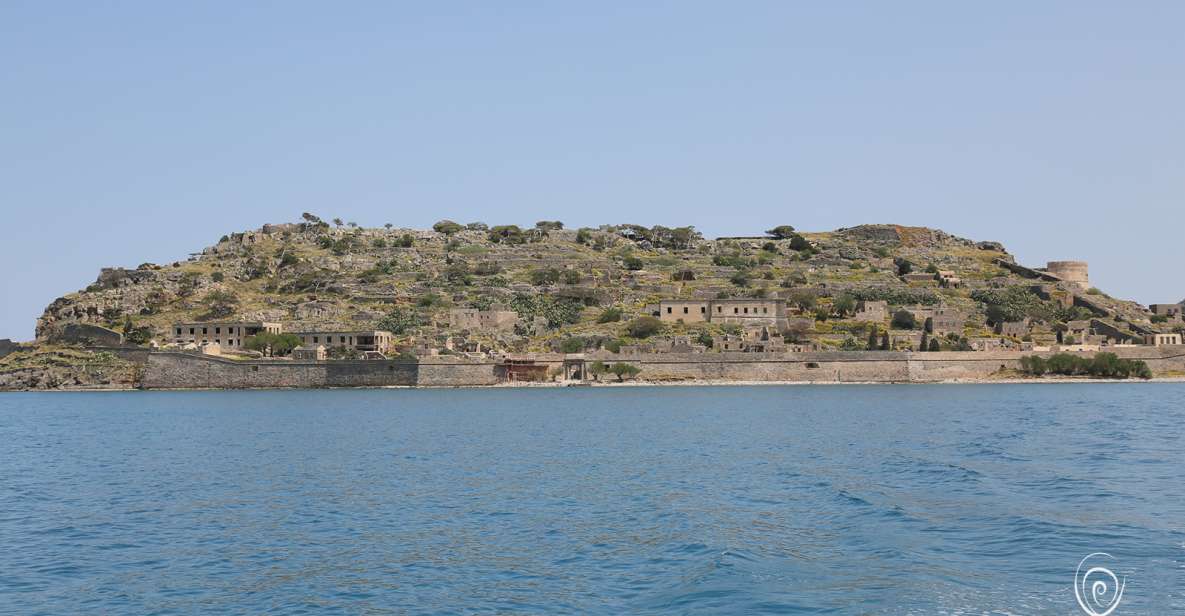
x,y
321,304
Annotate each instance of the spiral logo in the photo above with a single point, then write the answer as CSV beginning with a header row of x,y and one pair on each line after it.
x,y
1097,589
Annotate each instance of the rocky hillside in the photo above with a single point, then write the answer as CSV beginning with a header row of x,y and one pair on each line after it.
x,y
318,275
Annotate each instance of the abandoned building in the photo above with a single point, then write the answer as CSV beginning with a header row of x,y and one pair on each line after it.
x,y
1073,272
745,311
873,311
1171,311
945,321
310,353
225,334
363,341
483,320
1014,329
1163,339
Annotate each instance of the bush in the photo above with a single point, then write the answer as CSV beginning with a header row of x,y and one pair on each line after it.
x,y
633,263
904,319
571,277
507,234
644,327
781,232
572,345
844,304
610,315
545,276
400,321
217,276
446,227
220,303
1103,365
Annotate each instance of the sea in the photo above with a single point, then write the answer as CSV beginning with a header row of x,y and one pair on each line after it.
x,y
1012,499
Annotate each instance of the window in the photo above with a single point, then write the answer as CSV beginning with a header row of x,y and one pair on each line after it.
x,y
315,339
217,330
765,311
703,309
178,331
191,331
668,310
204,331
746,310
719,309
736,310
685,310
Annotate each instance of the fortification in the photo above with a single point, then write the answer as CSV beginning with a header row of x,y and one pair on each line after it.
x,y
1073,272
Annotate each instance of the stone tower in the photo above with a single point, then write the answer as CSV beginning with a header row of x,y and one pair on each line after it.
x,y
1073,272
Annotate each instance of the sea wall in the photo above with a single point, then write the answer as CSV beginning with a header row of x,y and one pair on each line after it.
x,y
177,370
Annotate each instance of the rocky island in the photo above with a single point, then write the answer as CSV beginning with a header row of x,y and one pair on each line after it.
x,y
326,304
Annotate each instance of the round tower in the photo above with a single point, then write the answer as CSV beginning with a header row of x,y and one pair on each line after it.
x,y
1073,272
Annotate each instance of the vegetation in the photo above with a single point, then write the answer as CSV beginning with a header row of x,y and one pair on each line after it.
x,y
1103,365
644,327
272,345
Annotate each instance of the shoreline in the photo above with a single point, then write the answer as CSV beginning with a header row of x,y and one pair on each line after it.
x,y
612,384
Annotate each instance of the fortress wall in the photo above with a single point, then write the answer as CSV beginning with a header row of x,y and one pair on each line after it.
x,y
173,370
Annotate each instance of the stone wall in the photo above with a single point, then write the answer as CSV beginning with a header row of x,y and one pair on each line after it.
x,y
84,333
187,370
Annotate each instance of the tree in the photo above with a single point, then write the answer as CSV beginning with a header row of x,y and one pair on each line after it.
x,y
310,218
844,304
804,299
507,234
904,319
644,327
220,303
549,225
740,278
633,263
925,344
872,339
545,276
885,341
597,368
446,227
400,321
272,345
571,277
352,225
338,222
934,345
572,345
781,232
583,235
477,226
623,370
388,226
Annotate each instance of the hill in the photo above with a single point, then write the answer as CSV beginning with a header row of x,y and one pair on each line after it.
x,y
579,289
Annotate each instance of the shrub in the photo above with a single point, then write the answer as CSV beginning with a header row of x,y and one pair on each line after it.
x,y
904,319
507,234
571,277
844,304
446,227
644,327
545,276
549,225
633,263
572,345
782,232
220,303
610,315
400,321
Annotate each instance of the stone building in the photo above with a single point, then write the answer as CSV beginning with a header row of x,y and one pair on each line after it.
x,y
363,341
310,353
229,334
1172,311
1014,329
874,311
482,320
1163,339
753,312
945,321
1073,272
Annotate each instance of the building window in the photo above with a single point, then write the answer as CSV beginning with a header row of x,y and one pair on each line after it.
x,y
765,311
315,339
746,310
217,330
685,310
719,309
702,309
204,331
668,310
178,331
736,310
191,331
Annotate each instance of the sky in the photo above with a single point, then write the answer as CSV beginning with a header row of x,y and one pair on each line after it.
x,y
143,131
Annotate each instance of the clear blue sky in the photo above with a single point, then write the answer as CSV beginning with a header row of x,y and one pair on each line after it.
x,y
141,131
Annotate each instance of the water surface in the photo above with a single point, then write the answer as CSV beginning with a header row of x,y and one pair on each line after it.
x,y
968,499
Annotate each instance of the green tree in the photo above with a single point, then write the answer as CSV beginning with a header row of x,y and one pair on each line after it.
x,y
272,345
872,345
885,341
644,327
572,345
400,321
623,370
446,227
904,319
781,232
633,263
934,345
844,305
549,225
507,234
220,304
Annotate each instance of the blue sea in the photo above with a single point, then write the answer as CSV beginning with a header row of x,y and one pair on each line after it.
x,y
944,499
